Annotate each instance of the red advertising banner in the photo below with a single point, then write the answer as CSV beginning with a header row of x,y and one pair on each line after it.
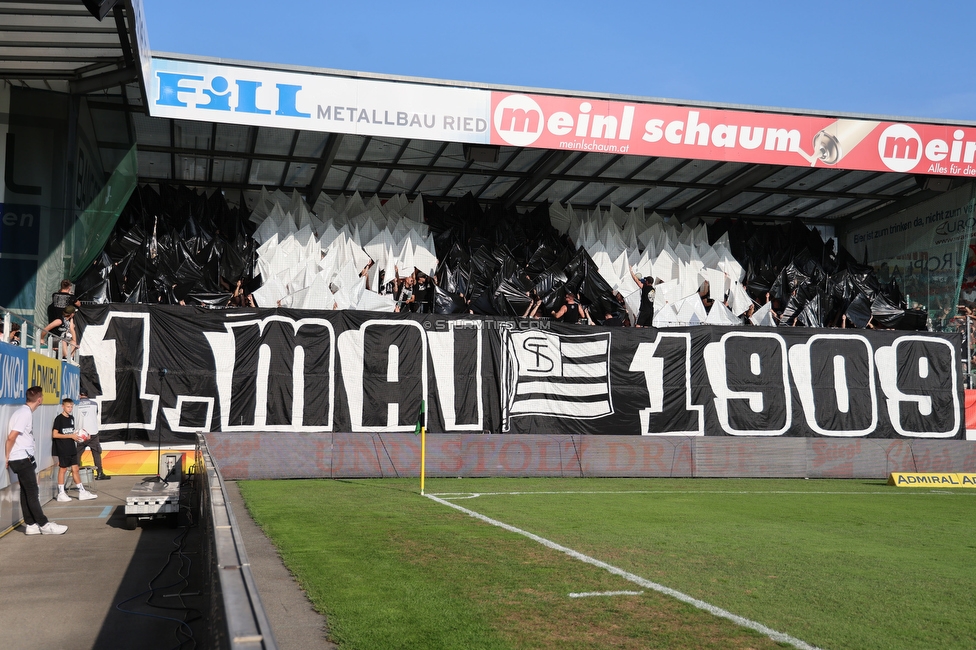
x,y
618,127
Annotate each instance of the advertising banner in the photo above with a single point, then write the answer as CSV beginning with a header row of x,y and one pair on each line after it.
x,y
184,370
45,372
13,373
70,380
403,109
927,249
579,124
314,102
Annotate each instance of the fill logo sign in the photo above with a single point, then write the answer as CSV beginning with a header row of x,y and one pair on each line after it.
x,y
184,90
900,148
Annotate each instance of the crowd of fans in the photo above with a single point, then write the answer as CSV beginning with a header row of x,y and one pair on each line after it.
x,y
174,246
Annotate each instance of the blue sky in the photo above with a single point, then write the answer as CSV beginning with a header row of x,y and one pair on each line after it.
x,y
896,58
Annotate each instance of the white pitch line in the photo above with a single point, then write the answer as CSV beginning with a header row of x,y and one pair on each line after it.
x,y
587,594
779,637
474,495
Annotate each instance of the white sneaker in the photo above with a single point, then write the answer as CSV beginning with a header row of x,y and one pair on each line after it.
x,y
32,529
51,528
85,495
63,496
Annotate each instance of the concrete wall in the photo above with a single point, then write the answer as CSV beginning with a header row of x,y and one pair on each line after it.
x,y
346,455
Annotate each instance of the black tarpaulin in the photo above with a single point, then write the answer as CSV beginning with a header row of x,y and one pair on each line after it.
x,y
172,246
177,245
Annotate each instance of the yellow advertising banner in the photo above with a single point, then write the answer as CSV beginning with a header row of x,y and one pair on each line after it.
x,y
45,372
933,479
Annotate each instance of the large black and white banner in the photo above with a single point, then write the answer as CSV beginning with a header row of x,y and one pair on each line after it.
x,y
180,370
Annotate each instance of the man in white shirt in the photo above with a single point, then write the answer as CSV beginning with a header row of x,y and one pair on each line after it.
x,y
20,460
87,412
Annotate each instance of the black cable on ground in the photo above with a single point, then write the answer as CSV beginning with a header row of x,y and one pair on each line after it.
x,y
183,631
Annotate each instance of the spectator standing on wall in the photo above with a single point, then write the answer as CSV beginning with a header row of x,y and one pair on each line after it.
x,y
61,299
20,460
66,450
63,327
87,410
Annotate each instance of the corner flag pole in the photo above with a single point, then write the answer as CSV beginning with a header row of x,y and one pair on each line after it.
x,y
422,428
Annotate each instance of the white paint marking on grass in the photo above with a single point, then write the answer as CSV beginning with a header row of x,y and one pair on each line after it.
x,y
779,637
475,495
588,594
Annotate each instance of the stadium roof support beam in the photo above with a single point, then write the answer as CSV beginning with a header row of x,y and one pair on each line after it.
x,y
422,176
720,196
123,32
895,206
544,187
629,180
213,148
396,160
104,81
546,165
252,143
494,177
322,167
457,177
599,172
353,168
291,155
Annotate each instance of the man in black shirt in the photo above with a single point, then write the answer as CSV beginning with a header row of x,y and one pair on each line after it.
x,y
424,293
571,311
61,299
645,314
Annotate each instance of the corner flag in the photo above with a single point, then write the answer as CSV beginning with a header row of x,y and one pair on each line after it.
x,y
421,430
421,419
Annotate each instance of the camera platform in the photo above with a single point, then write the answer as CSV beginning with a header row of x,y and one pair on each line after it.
x,y
152,500
156,497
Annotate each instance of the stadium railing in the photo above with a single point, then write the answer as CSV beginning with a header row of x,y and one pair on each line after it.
x,y
237,616
31,336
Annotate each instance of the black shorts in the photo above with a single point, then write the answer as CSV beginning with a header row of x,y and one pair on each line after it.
x,y
66,451
65,460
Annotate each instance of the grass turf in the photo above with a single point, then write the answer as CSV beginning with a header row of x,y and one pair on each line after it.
x,y
839,564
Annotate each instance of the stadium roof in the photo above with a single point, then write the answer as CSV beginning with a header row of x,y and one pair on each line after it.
x,y
58,45
100,59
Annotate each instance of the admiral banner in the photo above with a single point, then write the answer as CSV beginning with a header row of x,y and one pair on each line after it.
x,y
45,372
183,369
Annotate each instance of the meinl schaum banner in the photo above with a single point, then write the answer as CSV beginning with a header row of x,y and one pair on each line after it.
x,y
702,133
179,370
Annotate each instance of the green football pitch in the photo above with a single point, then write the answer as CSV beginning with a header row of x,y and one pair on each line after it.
x,y
628,563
